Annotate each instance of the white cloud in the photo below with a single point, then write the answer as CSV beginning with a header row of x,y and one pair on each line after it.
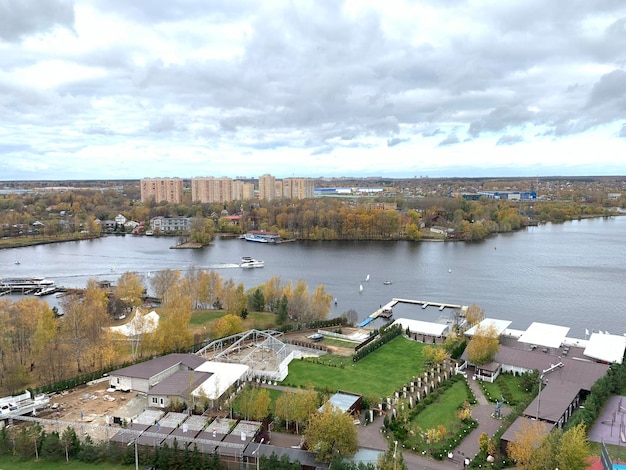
x,y
311,88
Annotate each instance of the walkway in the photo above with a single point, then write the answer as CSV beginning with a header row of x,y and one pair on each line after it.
x,y
372,437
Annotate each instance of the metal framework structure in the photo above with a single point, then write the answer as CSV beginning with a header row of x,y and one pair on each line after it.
x,y
262,351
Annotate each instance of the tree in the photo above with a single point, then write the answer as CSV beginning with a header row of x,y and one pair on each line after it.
x,y
228,325
162,281
526,442
392,459
574,450
71,442
474,314
320,303
257,300
434,354
484,345
173,332
351,316
130,289
84,328
331,432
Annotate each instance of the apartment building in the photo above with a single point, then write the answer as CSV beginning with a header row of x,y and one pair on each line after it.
x,y
298,188
267,187
211,189
162,189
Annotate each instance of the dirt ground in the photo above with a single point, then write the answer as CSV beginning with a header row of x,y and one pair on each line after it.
x,y
334,349
94,405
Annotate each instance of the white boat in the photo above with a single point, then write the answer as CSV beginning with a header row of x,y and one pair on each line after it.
x,y
247,262
25,282
261,236
360,288
387,283
367,278
46,291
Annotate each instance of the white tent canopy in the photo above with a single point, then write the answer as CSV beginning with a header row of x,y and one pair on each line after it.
x,y
139,324
607,348
498,325
224,375
544,334
422,327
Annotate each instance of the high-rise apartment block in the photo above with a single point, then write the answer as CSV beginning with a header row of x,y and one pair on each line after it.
x,y
162,189
298,188
267,187
210,189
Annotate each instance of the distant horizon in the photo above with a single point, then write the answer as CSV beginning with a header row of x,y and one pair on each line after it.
x,y
345,177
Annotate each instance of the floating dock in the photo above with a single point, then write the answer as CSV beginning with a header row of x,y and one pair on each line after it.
x,y
385,311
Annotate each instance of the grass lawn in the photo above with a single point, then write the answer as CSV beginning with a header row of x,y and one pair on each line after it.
x,y
378,374
504,381
8,463
443,411
207,318
340,343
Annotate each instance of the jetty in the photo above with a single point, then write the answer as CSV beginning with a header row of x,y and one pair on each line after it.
x,y
386,311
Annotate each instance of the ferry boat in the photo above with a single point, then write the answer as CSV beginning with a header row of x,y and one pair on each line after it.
x,y
261,236
247,262
25,283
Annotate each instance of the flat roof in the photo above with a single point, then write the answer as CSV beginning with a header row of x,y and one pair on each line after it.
x,y
423,327
606,348
544,334
343,401
499,325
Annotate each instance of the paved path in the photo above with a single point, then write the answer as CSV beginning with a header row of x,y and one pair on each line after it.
x,y
372,437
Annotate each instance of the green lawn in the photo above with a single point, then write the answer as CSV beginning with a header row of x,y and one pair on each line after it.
x,y
379,374
340,343
494,391
443,411
8,463
205,317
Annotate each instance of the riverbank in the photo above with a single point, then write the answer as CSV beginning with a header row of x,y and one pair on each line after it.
x,y
19,242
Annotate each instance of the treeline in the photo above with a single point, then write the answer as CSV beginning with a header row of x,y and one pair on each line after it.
x,y
385,218
38,346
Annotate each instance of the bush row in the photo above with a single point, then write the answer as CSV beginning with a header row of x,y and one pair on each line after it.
x,y
385,335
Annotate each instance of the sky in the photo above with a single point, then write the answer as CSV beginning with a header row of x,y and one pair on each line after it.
x,y
119,89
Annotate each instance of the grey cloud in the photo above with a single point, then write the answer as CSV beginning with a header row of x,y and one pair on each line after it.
x,y
499,119
509,139
450,140
432,133
20,18
162,124
610,87
395,141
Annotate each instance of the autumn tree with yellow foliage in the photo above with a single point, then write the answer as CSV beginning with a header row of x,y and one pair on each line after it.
x,y
484,345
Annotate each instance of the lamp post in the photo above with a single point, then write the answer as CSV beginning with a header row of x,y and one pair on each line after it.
x,y
395,448
255,451
134,441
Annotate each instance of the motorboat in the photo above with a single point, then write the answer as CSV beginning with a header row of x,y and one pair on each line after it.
x,y
387,283
248,262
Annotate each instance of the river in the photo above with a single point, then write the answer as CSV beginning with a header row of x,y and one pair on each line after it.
x,y
571,274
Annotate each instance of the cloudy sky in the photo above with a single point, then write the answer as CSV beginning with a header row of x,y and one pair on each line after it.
x,y
100,89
